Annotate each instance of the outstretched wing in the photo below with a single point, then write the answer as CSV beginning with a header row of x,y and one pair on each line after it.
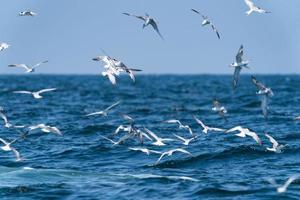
x,y
264,105
203,16
47,90
240,54
250,4
272,140
136,16
22,92
236,76
258,84
154,25
19,65
215,30
113,105
38,64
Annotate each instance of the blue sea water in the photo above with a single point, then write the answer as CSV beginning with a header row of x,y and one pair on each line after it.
x,y
82,165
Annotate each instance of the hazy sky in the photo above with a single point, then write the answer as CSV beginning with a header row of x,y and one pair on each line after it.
x,y
69,33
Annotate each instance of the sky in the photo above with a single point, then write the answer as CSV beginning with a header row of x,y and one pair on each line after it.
x,y
69,33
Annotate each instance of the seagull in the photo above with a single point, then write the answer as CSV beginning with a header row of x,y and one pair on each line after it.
x,y
207,128
265,93
3,46
7,147
245,132
27,13
46,129
147,20
283,188
276,147
159,141
105,111
207,21
170,152
28,69
217,107
253,8
145,150
185,141
36,94
180,125
238,65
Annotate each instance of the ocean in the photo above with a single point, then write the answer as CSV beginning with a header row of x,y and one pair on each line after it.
x,y
82,165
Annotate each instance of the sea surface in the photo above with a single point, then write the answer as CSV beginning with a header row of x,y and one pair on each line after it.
x,y
82,165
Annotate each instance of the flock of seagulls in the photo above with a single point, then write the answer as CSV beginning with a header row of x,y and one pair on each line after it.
x,y
114,67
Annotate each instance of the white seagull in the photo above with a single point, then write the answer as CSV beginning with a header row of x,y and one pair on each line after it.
x,y
145,150
207,128
36,94
27,13
170,152
245,132
254,8
46,129
7,147
159,141
265,93
238,65
3,46
105,111
276,147
147,20
283,188
207,21
180,125
28,69
217,107
184,140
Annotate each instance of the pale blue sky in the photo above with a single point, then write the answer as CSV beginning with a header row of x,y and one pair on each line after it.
x,y
69,33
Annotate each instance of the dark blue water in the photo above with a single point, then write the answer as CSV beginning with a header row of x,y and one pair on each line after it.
x,y
81,165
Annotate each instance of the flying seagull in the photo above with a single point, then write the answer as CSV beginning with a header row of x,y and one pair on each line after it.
x,y
243,132
184,140
265,93
145,150
28,69
159,141
7,147
170,153
238,65
217,107
105,111
180,125
3,46
27,13
207,128
207,21
147,20
46,129
36,94
254,8
283,188
276,147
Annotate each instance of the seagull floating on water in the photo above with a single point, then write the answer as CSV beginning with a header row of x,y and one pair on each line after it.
x,y
276,147
283,188
217,107
254,8
147,20
184,140
238,65
7,147
145,150
105,111
28,69
46,129
170,153
180,125
207,128
27,13
245,132
207,21
159,141
36,94
4,46
264,93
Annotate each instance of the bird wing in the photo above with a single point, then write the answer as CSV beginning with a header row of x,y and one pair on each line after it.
x,y
215,30
38,64
17,154
111,78
240,54
203,16
113,105
174,121
257,83
3,116
152,134
109,139
19,65
136,16
22,92
249,3
237,128
161,156
131,74
145,135
128,118
255,137
272,140
55,130
182,151
180,138
236,76
291,179
264,105
46,90
95,113
217,129
199,122
3,141
154,25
